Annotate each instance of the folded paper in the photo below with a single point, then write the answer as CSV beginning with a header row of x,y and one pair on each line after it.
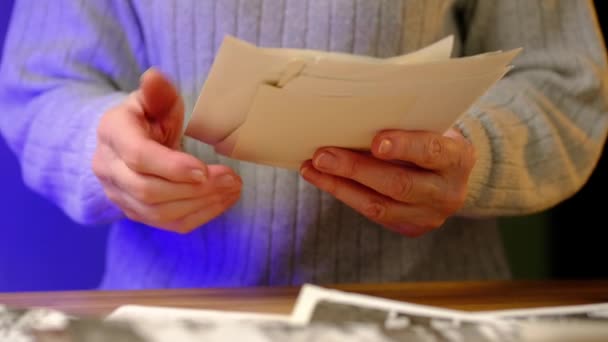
x,y
277,106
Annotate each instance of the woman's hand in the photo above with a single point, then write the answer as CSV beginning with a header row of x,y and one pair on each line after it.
x,y
142,169
412,182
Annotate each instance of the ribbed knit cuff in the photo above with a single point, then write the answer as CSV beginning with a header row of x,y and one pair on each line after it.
x,y
473,130
97,209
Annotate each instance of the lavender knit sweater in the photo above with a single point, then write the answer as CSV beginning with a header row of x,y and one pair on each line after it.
x,y
538,133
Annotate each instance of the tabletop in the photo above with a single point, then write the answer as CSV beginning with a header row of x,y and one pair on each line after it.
x,y
470,296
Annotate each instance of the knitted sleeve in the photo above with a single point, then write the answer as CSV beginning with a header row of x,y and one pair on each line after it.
x,y
540,131
65,63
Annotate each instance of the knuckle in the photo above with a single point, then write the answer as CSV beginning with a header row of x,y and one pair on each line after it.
x,y
105,179
111,181
331,185
434,150
106,125
352,166
229,201
174,165
129,211
403,147
375,209
114,198
142,191
432,223
399,185
134,157
434,192
131,214
454,201
153,215
100,166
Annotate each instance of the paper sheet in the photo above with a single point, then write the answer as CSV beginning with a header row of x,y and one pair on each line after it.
x,y
320,314
164,314
277,106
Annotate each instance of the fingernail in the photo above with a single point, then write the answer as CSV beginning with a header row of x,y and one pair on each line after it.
x,y
304,170
226,181
326,161
198,175
385,146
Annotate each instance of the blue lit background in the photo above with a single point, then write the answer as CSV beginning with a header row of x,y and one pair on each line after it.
x,y
40,249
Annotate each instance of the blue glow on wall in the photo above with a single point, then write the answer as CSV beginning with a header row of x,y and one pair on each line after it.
x,y
40,248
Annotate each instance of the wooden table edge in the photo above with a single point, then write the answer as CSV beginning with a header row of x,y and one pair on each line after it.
x,y
468,295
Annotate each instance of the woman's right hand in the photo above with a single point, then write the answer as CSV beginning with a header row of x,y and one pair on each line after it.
x,y
143,170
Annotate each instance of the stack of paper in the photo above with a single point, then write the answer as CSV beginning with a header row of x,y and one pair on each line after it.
x,y
331,315
319,314
277,106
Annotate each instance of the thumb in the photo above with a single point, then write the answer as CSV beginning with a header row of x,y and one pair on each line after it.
x,y
157,95
163,107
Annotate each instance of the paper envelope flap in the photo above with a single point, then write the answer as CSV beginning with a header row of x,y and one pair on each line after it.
x,y
436,70
440,50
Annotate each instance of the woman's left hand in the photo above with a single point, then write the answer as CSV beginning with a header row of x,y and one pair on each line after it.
x,y
411,183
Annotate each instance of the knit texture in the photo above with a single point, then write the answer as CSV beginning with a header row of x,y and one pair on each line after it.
x,y
538,133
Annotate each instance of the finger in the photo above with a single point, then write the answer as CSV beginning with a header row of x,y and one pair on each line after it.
x,y
163,108
115,195
154,190
102,162
398,182
406,219
201,217
195,218
157,95
149,157
144,155
222,177
161,215
425,149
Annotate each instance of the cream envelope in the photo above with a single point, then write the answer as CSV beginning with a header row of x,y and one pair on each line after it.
x,y
276,107
240,67
284,128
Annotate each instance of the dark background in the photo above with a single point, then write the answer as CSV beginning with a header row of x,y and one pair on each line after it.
x,y
40,249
